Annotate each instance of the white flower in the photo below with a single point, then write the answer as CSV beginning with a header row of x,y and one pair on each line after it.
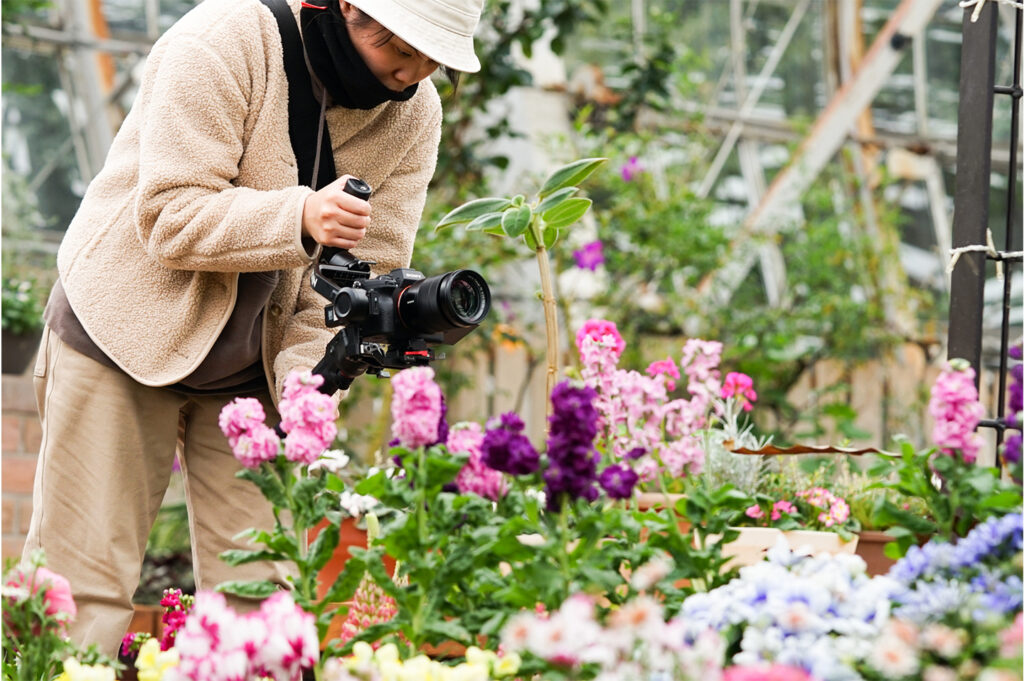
x,y
332,460
357,504
893,657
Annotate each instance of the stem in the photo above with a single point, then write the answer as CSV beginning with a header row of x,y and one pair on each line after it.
x,y
421,492
550,310
563,539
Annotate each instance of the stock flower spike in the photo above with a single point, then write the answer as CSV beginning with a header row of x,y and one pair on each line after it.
x,y
416,407
475,476
505,448
572,460
955,408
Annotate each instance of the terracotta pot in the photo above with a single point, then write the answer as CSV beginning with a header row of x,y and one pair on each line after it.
x,y
871,547
147,619
349,535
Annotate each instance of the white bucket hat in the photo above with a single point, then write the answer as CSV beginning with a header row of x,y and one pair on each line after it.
x,y
440,29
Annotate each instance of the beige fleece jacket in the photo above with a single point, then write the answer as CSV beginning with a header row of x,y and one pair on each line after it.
x,y
200,184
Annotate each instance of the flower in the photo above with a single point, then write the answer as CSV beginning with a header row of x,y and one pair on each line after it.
x,y
176,606
416,407
572,460
504,447
955,408
598,329
278,640
665,367
153,662
741,387
590,256
56,589
307,416
631,169
76,671
370,605
775,672
475,476
618,481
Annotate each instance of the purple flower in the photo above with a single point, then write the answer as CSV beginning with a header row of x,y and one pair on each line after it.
x,y
572,427
631,169
590,257
1012,449
506,449
618,481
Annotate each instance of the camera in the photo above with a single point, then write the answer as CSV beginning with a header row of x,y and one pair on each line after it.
x,y
392,321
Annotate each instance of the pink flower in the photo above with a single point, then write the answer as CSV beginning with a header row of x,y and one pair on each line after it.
x,y
416,407
257,445
754,512
665,367
598,329
741,387
775,672
631,169
303,446
56,590
590,257
239,416
308,416
780,507
956,411
475,476
1011,639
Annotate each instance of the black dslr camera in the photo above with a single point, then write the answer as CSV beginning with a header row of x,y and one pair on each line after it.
x,y
395,320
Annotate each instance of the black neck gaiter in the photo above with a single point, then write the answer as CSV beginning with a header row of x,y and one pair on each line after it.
x,y
336,62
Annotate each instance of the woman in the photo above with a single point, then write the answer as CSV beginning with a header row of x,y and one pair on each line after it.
x,y
184,274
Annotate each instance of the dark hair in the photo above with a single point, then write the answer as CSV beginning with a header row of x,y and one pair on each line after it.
x,y
384,35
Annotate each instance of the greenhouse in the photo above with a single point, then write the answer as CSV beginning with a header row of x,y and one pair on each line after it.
x,y
393,340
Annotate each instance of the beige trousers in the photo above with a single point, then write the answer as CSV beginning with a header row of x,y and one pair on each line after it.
x,y
105,462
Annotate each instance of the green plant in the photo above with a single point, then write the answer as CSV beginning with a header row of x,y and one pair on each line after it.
x,y
540,224
37,607
22,305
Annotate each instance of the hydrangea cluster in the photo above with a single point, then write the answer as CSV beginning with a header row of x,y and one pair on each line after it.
x,y
384,664
635,643
475,477
817,613
307,417
417,408
505,448
956,411
978,576
216,644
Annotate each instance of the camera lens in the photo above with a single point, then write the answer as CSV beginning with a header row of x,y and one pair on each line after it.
x,y
446,301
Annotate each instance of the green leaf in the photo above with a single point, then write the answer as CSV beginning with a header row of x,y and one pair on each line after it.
x,y
514,222
471,210
448,630
550,236
556,198
235,557
570,175
347,582
567,212
485,222
261,589
322,548
269,484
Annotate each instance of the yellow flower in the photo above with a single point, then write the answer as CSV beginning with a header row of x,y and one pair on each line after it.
x,y
76,671
386,653
480,657
468,672
152,662
507,665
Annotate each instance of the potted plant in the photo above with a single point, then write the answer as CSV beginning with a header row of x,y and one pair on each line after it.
x,y
22,322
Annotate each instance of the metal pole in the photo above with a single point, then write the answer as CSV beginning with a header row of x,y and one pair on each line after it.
x,y
973,170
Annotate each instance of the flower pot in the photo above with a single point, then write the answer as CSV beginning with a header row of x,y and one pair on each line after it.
x,y
349,535
820,542
750,547
871,547
18,350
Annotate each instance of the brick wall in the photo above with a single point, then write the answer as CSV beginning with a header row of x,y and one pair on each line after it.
x,y
21,436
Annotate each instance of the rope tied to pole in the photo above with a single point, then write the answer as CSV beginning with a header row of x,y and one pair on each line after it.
x,y
989,249
978,5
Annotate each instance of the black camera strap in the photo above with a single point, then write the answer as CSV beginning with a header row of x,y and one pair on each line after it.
x,y
311,144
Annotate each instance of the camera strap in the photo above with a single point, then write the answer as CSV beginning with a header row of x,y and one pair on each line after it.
x,y
311,144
